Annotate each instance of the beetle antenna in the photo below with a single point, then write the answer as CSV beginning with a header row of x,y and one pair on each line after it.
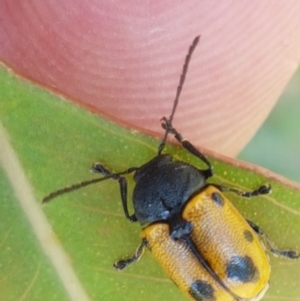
x,y
179,88
183,75
73,187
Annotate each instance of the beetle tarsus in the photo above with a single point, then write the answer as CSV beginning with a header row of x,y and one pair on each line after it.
x,y
122,264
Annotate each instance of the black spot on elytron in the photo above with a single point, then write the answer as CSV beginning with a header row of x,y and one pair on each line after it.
x,y
218,199
242,269
202,291
248,235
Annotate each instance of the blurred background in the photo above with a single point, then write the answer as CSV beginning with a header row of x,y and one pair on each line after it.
x,y
276,145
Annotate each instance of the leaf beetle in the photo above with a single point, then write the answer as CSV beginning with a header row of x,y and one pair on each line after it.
x,y
209,250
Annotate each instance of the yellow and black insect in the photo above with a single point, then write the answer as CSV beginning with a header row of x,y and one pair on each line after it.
x,y
209,250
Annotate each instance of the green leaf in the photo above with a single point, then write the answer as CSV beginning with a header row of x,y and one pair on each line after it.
x,y
56,143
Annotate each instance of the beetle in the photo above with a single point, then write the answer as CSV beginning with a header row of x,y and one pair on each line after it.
x,y
209,250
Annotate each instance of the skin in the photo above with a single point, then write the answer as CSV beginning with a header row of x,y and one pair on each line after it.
x,y
123,59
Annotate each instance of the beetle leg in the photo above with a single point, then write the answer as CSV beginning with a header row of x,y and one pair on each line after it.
x,y
124,263
99,168
262,190
188,146
290,254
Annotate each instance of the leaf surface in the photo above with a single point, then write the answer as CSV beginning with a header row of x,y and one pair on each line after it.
x,y
56,143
